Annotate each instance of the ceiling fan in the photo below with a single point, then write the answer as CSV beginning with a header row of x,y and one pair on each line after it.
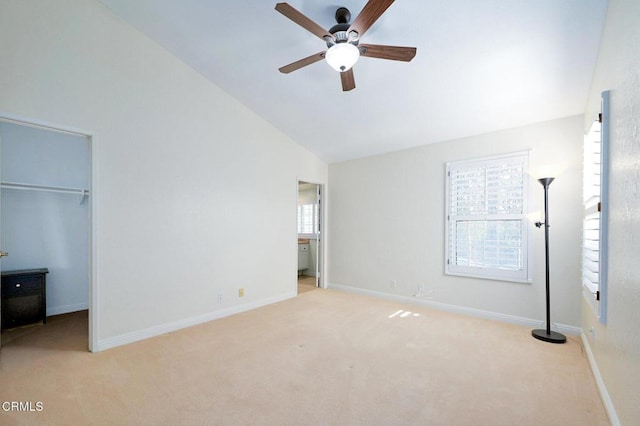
x,y
343,40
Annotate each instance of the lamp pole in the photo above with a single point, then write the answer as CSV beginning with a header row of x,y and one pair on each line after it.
x,y
547,335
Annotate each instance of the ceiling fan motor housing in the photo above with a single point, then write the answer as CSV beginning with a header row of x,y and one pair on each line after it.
x,y
340,30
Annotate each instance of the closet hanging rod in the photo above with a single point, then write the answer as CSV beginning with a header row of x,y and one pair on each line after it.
x,y
31,187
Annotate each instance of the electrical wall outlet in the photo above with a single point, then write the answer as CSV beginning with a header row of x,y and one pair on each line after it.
x,y
219,297
394,283
241,292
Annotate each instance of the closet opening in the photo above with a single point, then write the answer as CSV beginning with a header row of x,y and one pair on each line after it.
x,y
46,234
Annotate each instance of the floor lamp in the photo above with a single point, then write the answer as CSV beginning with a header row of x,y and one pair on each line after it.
x,y
547,335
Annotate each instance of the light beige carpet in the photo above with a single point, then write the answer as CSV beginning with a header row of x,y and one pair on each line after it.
x,y
323,358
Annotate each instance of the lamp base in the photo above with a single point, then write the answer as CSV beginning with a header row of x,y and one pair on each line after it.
x,y
554,337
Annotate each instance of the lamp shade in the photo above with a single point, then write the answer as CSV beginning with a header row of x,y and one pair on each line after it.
x,y
342,56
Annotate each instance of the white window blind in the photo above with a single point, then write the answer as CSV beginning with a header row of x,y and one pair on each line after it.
x,y
594,233
591,221
487,228
308,219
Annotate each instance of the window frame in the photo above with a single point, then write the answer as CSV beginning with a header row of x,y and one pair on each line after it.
x,y
596,209
523,275
314,207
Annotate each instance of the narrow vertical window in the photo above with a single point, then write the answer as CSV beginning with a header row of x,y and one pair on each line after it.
x,y
594,225
308,219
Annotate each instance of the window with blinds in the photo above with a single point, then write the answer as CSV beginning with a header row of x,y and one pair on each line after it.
x,y
594,233
308,219
592,206
487,226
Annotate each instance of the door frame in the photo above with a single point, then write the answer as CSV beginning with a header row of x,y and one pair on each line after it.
x,y
92,231
322,244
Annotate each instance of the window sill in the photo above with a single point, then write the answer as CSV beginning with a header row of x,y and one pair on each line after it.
x,y
490,277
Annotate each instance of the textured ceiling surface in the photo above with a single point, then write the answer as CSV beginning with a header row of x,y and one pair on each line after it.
x,y
481,66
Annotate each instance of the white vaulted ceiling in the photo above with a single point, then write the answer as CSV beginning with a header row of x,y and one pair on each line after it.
x,y
481,66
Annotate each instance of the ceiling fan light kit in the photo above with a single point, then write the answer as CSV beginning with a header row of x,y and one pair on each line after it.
x,y
342,40
342,56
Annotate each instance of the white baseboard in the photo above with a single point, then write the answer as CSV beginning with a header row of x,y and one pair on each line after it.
x,y
604,393
135,336
512,319
59,310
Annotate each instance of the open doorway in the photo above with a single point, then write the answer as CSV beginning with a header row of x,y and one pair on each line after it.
x,y
310,239
45,230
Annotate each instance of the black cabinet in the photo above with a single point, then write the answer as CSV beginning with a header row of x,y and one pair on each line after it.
x,y
24,297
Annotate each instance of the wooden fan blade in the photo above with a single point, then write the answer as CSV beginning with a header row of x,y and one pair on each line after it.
x,y
369,14
306,23
394,53
348,81
302,63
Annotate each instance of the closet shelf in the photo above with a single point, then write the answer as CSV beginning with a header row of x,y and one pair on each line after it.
x,y
84,193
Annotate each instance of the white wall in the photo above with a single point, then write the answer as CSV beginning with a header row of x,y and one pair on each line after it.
x,y
185,177
616,345
387,223
44,229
